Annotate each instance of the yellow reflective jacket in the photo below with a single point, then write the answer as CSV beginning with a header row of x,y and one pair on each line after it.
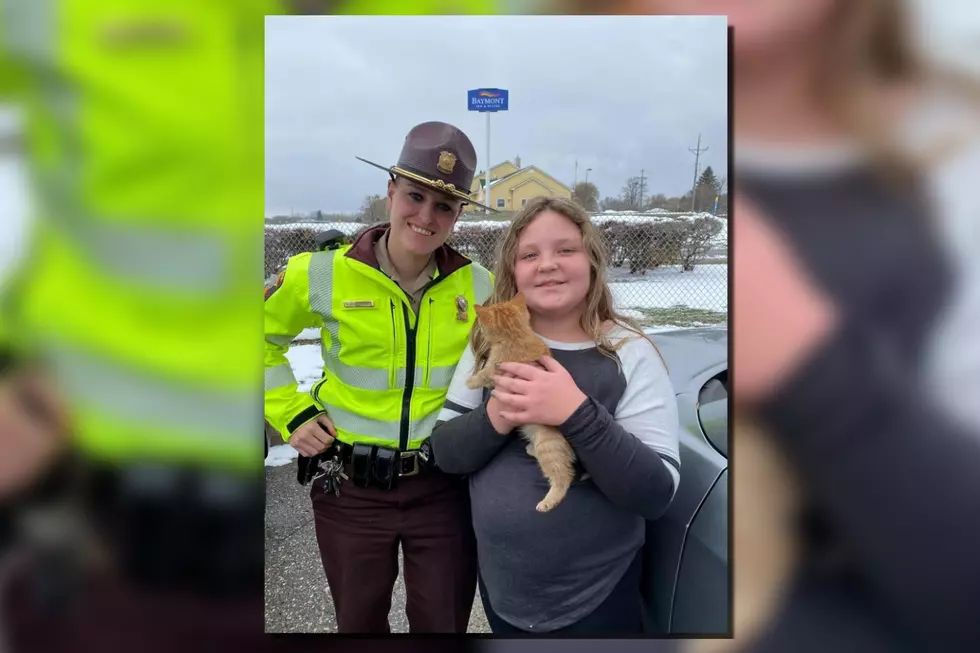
x,y
138,288
143,123
386,369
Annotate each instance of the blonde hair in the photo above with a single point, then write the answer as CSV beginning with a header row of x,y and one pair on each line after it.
x,y
599,302
871,52
869,45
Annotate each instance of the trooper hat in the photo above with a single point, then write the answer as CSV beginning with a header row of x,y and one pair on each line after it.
x,y
437,155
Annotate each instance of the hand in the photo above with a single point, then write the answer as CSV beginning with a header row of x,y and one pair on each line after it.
x,y
500,425
33,430
533,395
314,437
780,315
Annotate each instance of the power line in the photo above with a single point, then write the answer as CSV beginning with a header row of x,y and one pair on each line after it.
x,y
697,157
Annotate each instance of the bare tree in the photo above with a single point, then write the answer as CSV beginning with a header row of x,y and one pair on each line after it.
x,y
697,241
631,192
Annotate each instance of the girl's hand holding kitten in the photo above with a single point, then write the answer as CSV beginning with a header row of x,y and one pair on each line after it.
x,y
500,425
528,394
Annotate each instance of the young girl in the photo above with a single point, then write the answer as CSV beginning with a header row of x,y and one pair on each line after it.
x,y
575,569
855,316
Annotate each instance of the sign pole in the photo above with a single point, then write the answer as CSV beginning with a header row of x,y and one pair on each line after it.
x,y
487,100
486,195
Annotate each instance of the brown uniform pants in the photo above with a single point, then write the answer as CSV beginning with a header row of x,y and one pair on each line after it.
x,y
359,533
110,614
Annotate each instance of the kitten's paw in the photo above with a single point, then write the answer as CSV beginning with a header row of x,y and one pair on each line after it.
x,y
473,383
544,506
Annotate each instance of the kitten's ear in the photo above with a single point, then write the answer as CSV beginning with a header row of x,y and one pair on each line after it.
x,y
519,300
482,313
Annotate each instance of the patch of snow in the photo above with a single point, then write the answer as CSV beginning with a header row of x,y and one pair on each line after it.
x,y
491,224
307,365
706,287
280,455
346,228
657,328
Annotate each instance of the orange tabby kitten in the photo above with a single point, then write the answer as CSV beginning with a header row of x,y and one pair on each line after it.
x,y
507,327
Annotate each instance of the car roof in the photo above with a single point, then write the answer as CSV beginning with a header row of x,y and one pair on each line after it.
x,y
690,352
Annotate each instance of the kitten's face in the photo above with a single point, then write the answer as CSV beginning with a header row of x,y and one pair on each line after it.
x,y
504,320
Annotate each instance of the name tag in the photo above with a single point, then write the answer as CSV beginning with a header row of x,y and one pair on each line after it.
x,y
361,303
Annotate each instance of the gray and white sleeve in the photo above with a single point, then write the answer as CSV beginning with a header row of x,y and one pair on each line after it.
x,y
648,407
632,455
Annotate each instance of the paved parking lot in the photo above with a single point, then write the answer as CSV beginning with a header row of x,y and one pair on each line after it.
x,y
296,595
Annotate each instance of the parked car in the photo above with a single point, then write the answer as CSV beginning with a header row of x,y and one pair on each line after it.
x,y
686,583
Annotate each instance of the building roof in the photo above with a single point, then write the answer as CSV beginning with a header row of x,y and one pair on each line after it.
x,y
483,177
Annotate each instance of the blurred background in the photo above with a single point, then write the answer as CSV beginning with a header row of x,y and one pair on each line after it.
x,y
131,206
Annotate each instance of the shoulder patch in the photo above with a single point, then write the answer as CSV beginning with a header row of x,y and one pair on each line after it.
x,y
272,286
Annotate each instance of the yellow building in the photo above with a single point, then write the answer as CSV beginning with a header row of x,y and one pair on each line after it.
x,y
511,186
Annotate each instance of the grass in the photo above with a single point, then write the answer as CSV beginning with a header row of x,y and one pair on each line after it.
x,y
679,316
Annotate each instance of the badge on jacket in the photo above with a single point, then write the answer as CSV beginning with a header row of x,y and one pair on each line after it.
x,y
461,307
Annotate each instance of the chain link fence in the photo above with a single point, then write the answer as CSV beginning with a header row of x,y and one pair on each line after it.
x,y
666,270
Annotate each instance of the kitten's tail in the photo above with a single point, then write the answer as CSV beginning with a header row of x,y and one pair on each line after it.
x,y
556,459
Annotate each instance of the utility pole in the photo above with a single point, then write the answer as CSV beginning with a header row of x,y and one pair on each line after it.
x,y
697,156
643,184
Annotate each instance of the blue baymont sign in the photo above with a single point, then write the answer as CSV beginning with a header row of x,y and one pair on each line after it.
x,y
486,99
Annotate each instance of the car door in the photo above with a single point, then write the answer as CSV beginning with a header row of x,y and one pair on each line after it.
x,y
686,579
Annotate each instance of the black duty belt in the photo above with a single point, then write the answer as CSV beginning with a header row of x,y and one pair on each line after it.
x,y
369,465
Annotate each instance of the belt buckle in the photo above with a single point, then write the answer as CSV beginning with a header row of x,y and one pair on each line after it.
x,y
415,466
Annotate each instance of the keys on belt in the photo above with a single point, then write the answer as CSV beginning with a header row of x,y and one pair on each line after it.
x,y
333,474
369,466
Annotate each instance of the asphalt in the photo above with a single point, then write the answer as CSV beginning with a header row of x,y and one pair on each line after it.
x,y
297,599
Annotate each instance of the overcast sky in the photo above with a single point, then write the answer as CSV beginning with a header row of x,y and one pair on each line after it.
x,y
619,94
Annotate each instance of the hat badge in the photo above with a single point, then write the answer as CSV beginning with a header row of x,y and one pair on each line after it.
x,y
447,161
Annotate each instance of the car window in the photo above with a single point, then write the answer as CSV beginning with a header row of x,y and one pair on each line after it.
x,y
713,411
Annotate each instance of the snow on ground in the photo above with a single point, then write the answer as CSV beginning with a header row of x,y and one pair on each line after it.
x,y
307,364
706,287
657,328
346,228
280,455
